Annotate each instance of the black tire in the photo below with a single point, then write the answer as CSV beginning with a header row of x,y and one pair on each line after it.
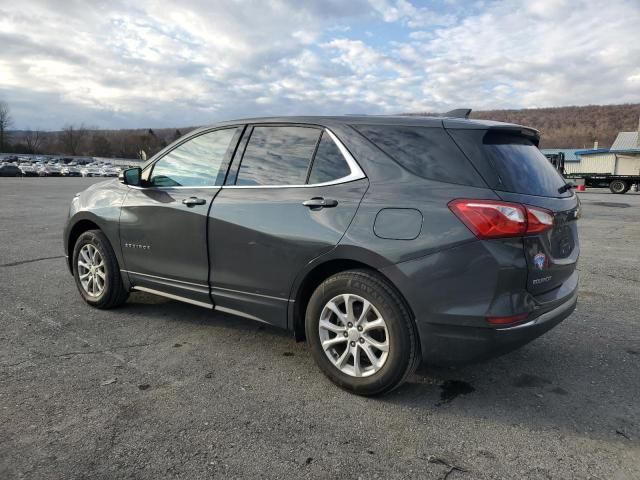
x,y
404,353
619,187
114,293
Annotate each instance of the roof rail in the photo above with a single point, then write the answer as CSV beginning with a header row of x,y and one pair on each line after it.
x,y
457,113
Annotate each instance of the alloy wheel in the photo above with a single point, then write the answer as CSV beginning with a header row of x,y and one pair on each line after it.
x,y
91,270
354,335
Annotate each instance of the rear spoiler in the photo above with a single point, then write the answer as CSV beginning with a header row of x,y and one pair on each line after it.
x,y
451,122
531,133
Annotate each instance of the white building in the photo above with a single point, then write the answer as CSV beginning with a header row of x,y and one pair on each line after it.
x,y
623,158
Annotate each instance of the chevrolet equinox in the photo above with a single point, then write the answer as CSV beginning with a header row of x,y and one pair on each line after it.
x,y
384,241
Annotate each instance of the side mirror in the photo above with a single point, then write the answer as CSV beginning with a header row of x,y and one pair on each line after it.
x,y
131,176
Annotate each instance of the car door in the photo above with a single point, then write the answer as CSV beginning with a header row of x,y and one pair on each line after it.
x,y
287,200
163,223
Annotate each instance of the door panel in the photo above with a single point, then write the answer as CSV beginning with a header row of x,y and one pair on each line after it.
x,y
163,224
164,240
260,238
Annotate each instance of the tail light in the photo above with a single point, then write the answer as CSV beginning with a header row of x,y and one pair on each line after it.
x,y
496,219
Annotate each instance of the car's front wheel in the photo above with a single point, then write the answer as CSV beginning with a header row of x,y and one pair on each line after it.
x,y
96,271
361,333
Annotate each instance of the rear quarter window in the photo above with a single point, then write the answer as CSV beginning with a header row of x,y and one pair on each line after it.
x,y
425,151
510,162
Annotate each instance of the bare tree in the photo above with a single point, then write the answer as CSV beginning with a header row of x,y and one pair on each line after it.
x,y
100,145
71,138
5,122
33,139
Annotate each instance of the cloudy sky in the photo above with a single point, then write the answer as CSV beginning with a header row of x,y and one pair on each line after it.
x,y
161,63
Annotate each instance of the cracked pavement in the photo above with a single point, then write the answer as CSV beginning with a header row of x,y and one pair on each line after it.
x,y
160,389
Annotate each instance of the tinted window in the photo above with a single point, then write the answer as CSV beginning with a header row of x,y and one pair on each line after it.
x,y
278,156
329,163
197,162
513,162
427,152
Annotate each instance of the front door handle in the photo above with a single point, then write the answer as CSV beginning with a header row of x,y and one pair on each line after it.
x,y
316,203
192,201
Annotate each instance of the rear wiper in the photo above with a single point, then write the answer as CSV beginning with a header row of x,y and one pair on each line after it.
x,y
565,187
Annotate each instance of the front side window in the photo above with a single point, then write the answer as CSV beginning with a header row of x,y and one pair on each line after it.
x,y
278,156
195,163
329,163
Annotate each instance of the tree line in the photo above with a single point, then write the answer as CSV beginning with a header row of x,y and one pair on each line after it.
x,y
561,127
571,127
83,140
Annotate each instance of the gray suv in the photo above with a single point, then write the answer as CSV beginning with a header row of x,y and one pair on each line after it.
x,y
384,241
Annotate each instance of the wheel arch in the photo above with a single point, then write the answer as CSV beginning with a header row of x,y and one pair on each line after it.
x,y
78,228
85,222
318,274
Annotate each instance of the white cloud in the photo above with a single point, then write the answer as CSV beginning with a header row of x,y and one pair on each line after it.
x,y
164,63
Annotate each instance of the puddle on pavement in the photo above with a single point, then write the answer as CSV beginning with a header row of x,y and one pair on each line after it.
x,y
451,389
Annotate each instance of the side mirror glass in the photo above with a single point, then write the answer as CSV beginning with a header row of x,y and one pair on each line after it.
x,y
131,176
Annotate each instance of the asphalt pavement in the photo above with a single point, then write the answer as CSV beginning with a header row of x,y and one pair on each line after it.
x,y
160,389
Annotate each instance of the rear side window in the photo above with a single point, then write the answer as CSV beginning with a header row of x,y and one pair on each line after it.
x,y
278,156
513,162
328,164
426,152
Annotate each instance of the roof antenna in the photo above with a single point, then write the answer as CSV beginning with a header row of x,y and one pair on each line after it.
x,y
458,113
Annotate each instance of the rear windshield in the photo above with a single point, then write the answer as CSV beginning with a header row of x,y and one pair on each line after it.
x,y
425,151
510,162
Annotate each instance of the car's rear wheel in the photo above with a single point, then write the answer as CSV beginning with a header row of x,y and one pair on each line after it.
x,y
361,333
96,271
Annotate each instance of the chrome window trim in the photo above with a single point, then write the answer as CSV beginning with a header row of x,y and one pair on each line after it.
x,y
356,171
354,167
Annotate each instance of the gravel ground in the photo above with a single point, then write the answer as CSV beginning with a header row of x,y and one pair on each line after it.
x,y
160,389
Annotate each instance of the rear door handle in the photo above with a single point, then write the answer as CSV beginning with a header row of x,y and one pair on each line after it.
x,y
192,201
319,202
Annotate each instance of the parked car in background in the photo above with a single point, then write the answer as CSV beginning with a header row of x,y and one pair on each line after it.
x,y
49,171
109,171
91,171
70,171
10,171
28,170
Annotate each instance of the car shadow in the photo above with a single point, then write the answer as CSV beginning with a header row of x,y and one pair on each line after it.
x,y
550,383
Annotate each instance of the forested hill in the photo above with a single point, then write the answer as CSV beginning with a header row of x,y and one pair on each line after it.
x,y
572,127
561,127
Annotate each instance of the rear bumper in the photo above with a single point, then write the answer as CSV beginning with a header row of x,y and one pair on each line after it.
x,y
458,345
452,292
